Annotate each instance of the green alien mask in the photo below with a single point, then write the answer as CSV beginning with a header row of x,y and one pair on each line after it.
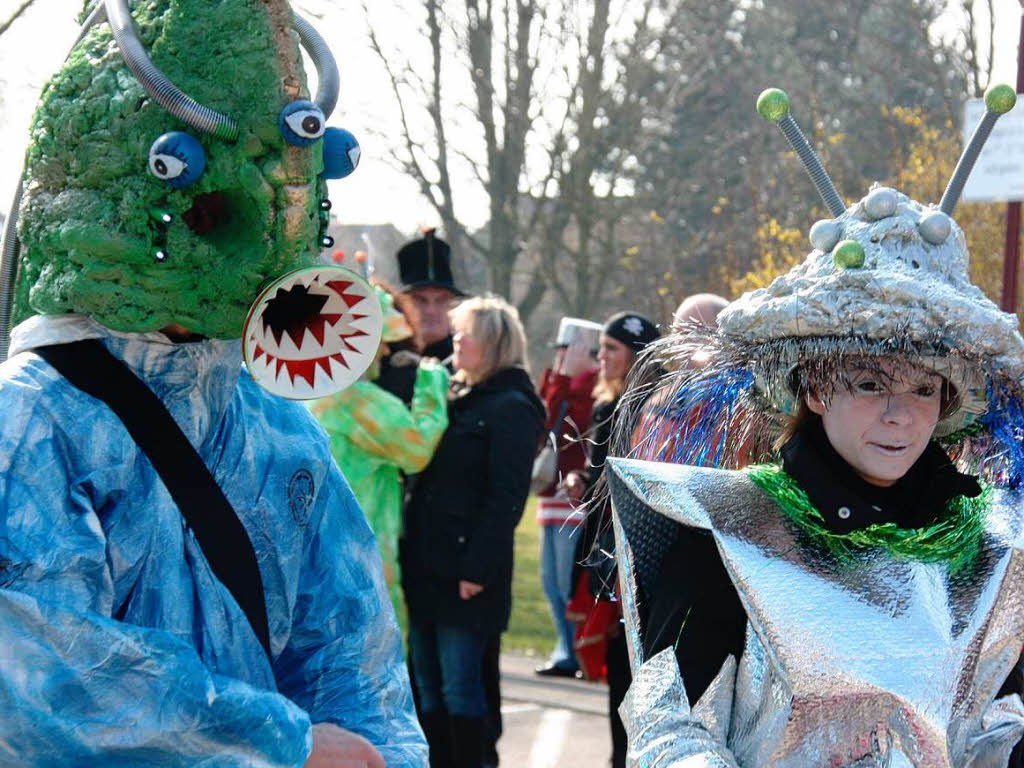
x,y
102,234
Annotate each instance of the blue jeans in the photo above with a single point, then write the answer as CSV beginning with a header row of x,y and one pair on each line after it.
x,y
447,668
558,551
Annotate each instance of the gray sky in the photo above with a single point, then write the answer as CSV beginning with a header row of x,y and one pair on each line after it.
x,y
376,193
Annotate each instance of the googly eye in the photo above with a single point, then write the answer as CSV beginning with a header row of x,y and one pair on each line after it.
x,y
341,153
301,122
166,167
177,158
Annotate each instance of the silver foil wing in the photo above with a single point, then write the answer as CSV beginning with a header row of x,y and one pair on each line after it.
x,y
662,728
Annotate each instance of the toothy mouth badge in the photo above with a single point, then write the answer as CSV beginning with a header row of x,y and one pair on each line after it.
x,y
312,332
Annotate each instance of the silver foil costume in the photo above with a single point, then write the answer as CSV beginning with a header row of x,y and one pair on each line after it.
x,y
876,662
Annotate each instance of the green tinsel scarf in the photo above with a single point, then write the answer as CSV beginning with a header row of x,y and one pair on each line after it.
x,y
955,539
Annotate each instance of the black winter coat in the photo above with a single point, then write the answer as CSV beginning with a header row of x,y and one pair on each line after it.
x,y
462,510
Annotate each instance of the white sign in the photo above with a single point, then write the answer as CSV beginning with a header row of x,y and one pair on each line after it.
x,y
998,176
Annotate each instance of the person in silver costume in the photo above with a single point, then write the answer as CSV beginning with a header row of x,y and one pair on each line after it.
x,y
852,597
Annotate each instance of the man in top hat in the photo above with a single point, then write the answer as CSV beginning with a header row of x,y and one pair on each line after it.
x,y
425,271
425,268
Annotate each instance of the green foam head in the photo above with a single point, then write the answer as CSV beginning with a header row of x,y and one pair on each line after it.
x,y
91,242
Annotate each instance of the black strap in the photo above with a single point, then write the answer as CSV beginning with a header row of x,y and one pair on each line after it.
x,y
563,409
90,367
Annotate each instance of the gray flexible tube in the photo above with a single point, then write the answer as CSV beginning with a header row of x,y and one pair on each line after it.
x,y
156,83
812,163
328,80
184,107
966,163
9,272
96,15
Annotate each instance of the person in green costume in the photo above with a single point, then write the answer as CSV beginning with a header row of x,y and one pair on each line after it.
x,y
374,436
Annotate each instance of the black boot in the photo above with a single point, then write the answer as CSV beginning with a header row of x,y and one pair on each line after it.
x,y
437,727
468,741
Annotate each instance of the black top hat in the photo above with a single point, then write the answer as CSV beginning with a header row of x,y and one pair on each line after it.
x,y
426,263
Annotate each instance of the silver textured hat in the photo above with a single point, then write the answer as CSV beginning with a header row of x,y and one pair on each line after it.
x,y
887,271
887,276
883,271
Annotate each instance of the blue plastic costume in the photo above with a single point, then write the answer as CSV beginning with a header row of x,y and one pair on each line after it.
x,y
118,647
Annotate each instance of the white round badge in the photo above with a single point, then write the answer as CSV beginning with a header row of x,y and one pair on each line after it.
x,y
312,332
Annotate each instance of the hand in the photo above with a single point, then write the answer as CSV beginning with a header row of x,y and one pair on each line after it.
x,y
334,747
577,359
574,486
468,590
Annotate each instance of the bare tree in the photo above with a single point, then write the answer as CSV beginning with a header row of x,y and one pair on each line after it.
x,y
630,73
482,65
6,24
980,74
554,142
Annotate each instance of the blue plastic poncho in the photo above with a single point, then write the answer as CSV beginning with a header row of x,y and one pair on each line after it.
x,y
117,645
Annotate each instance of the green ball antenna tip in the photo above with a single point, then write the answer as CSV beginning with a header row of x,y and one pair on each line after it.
x,y
849,254
1000,98
773,104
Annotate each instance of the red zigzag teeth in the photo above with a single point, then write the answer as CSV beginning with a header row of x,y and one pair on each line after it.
x,y
340,286
306,369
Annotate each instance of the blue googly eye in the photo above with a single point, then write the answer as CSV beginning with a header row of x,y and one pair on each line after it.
x,y
177,158
341,153
301,123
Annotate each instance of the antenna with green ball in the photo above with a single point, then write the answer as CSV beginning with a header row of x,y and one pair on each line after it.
x,y
999,99
773,105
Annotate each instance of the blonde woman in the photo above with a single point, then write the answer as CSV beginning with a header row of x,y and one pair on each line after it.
x,y
456,551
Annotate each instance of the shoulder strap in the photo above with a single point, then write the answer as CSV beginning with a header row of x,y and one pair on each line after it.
x,y
563,409
90,367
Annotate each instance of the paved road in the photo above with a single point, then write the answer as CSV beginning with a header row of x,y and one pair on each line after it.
x,y
551,723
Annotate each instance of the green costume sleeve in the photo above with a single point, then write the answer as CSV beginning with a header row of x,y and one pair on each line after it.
x,y
380,424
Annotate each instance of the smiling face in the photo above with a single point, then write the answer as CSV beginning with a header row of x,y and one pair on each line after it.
x,y
110,229
881,423
614,358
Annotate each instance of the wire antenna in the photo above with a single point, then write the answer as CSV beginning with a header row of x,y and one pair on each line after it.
x,y
773,105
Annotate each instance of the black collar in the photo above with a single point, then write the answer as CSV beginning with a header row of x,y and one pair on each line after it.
x,y
442,349
848,502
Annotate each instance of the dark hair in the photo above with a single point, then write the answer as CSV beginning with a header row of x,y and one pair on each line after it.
x,y
793,424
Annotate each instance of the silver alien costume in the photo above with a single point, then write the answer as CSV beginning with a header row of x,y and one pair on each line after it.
x,y
884,650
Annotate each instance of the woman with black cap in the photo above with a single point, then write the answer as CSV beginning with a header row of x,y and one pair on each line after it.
x,y
623,337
